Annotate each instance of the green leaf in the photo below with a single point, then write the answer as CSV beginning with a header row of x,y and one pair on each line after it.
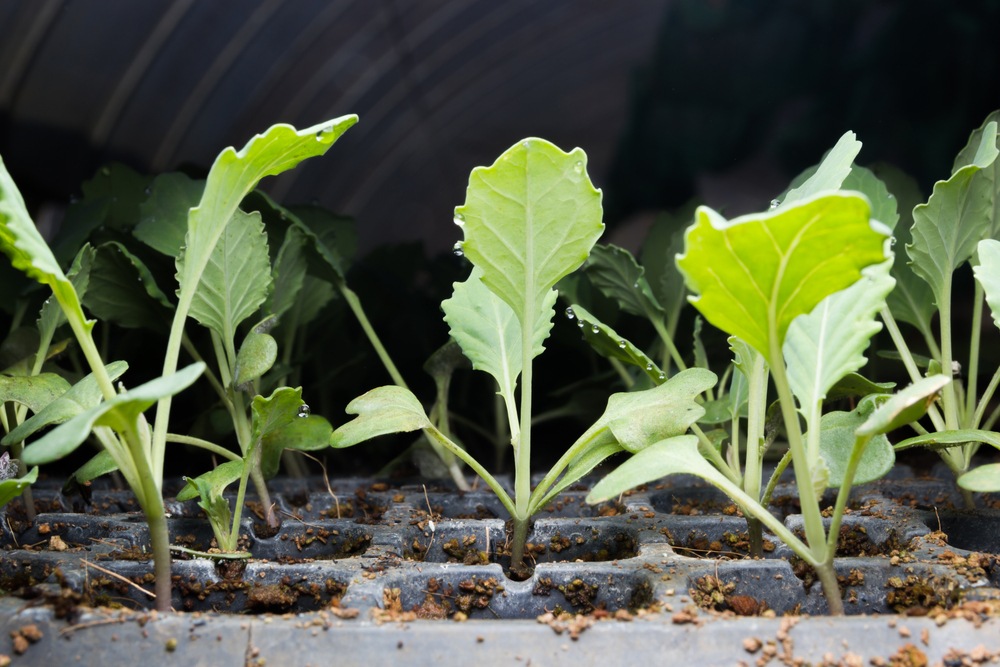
x,y
755,274
744,360
956,217
256,356
12,488
828,343
81,275
831,171
883,203
988,274
305,434
381,411
991,174
912,300
640,418
984,479
101,463
945,439
34,391
78,399
664,242
125,292
853,385
673,456
213,482
618,276
28,251
289,273
119,413
163,217
837,439
904,407
607,342
332,241
123,188
489,332
530,219
236,280
602,447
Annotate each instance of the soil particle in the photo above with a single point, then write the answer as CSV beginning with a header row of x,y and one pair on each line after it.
x,y
271,598
908,655
25,636
573,624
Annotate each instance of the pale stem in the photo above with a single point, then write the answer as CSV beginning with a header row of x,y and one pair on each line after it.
x,y
948,392
355,305
668,343
203,444
973,370
908,363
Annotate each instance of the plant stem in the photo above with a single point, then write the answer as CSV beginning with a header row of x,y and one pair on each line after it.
x,y
948,394
203,444
668,343
973,370
355,305
984,400
831,588
908,363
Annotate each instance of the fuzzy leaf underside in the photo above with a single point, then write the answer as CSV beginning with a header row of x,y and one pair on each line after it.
x,y
676,455
256,356
236,279
956,217
381,411
990,174
34,391
530,219
837,439
755,274
119,413
828,343
984,479
640,418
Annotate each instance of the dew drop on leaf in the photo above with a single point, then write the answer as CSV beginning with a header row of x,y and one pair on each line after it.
x,y
774,204
304,410
662,376
457,249
570,314
579,323
621,344
649,367
595,328
578,167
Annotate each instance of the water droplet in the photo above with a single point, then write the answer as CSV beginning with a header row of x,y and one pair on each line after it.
x,y
459,219
891,196
578,167
148,191
595,329
775,204
526,144
649,367
662,376
892,241
579,323
322,133
570,314
621,344
304,410
635,285
457,249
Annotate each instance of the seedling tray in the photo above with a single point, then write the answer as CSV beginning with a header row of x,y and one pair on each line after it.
x,y
370,570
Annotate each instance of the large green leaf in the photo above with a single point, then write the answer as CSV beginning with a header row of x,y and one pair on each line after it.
x,y
956,217
828,343
988,274
530,219
164,215
676,455
289,273
640,418
79,398
235,173
381,411
119,413
885,207
489,332
755,274
830,173
236,279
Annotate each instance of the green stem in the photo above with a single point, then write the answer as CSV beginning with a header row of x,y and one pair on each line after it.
x,y
203,444
708,450
908,363
984,401
973,370
947,358
668,342
355,305
756,414
491,481
765,499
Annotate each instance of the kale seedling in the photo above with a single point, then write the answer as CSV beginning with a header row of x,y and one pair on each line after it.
x,y
528,220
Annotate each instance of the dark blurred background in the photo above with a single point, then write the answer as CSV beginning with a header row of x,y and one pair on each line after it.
x,y
719,98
